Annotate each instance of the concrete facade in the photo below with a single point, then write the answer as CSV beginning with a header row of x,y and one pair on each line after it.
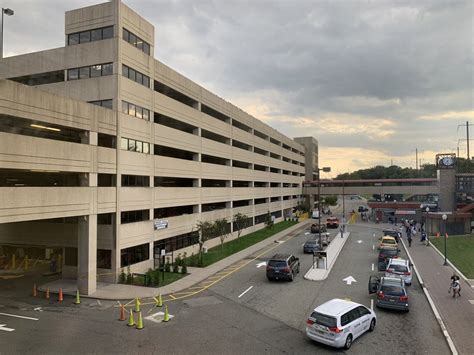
x,y
160,155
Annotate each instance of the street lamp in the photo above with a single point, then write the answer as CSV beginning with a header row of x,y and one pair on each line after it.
x,y
444,217
326,170
424,229
8,12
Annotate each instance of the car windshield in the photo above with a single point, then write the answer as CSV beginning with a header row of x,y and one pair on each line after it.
x,y
323,319
311,242
398,268
392,290
277,263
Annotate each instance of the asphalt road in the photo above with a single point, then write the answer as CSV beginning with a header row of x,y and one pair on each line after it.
x,y
268,318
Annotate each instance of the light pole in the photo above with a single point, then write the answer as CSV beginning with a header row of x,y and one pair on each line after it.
x,y
444,217
424,227
8,12
343,210
326,170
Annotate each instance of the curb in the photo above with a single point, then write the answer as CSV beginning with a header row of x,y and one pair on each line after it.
x,y
328,270
448,338
452,266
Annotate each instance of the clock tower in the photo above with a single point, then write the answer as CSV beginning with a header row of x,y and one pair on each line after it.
x,y
446,164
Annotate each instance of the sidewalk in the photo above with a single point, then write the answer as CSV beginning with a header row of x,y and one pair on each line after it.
x,y
333,250
196,275
458,313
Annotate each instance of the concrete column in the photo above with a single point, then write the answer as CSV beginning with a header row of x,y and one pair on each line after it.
x,y
87,254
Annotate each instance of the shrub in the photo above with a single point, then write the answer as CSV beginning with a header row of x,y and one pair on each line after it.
x,y
122,277
177,262
167,266
184,269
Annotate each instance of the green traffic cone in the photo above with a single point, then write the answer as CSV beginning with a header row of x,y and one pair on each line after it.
x,y
158,301
137,305
140,321
167,316
131,320
78,298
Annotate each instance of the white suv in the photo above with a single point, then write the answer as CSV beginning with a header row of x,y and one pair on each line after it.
x,y
399,268
338,322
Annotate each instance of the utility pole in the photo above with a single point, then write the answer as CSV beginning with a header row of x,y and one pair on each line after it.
x,y
416,159
467,139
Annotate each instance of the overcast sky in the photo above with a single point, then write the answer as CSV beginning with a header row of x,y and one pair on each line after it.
x,y
370,80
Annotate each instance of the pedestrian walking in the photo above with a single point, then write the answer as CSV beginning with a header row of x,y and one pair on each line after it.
x,y
455,286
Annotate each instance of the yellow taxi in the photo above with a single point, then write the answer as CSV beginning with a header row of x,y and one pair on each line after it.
x,y
388,242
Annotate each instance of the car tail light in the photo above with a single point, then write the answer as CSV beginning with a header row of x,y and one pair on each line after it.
x,y
309,322
390,270
335,329
407,273
380,295
404,298
287,269
395,257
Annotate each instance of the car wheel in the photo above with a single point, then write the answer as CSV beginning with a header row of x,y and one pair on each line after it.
x,y
292,276
269,278
348,342
298,270
372,325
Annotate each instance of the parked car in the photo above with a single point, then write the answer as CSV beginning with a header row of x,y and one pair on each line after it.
x,y
283,266
385,255
311,246
362,209
332,222
391,292
387,242
393,233
315,228
400,268
339,322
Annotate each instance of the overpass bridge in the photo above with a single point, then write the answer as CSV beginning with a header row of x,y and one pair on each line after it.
x,y
421,186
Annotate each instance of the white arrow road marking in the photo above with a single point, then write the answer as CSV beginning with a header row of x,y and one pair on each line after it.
x,y
247,290
2,327
306,233
360,241
38,309
263,263
349,279
16,316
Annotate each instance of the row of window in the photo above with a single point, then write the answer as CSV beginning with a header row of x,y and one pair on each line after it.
x,y
135,110
136,76
90,35
134,145
91,71
136,41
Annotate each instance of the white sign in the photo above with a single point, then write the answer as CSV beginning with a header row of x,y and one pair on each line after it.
x,y
163,252
161,224
349,279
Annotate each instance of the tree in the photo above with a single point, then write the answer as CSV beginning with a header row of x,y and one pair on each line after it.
x,y
206,231
241,221
331,200
268,220
221,227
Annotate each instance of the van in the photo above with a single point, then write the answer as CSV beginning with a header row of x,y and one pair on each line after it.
x,y
339,322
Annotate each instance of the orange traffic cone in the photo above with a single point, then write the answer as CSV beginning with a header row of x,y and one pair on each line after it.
x,y
34,290
60,296
47,293
122,312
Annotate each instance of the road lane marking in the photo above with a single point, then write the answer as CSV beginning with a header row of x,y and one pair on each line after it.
x,y
263,263
349,280
372,305
247,290
3,327
360,241
373,247
372,266
16,316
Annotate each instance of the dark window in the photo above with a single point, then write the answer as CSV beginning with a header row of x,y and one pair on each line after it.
x,y
175,95
136,76
213,183
102,103
207,207
216,114
173,211
133,255
135,146
135,110
107,32
173,152
134,216
106,180
165,181
136,41
136,180
41,78
84,73
70,256
237,183
96,71
104,259
107,69
177,242
173,123
324,320
106,140
96,35
213,160
73,74
73,39
90,71
84,37
105,219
